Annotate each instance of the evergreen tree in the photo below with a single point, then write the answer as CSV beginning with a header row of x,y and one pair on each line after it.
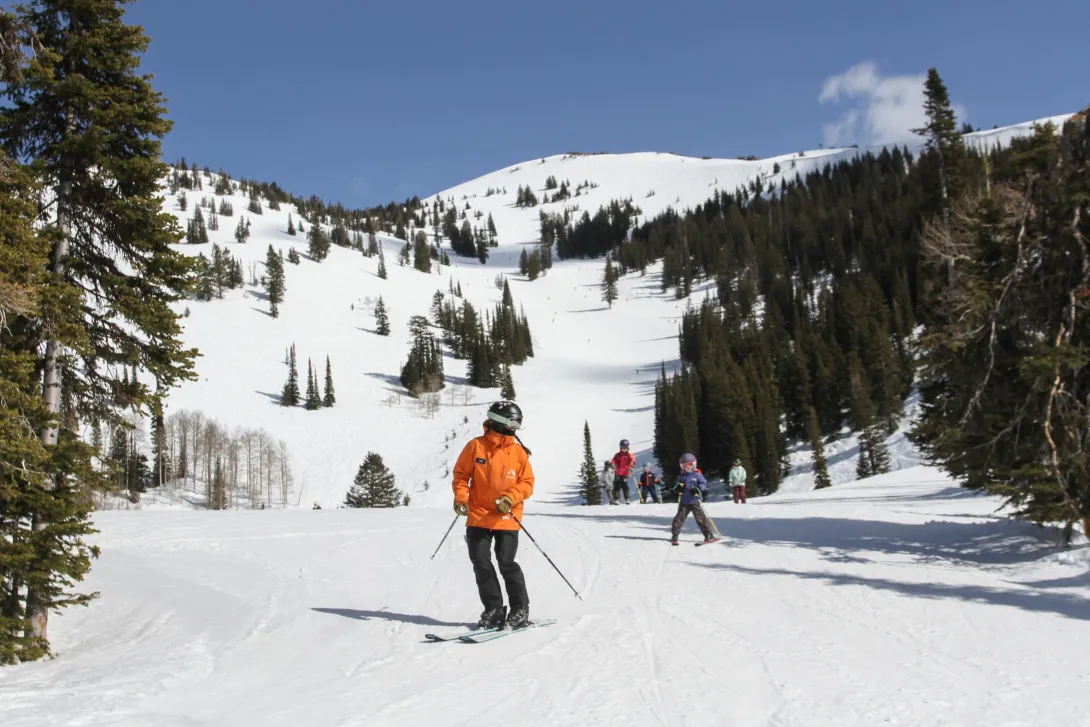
x,y
381,264
821,469
317,243
946,151
374,485
423,371
507,390
421,253
289,396
291,226
89,127
255,206
330,398
242,230
533,265
382,321
314,399
524,262
274,281
293,256
1004,368
609,282
873,455
588,471
482,249
492,241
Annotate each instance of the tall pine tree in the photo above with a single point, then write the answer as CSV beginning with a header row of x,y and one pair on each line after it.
x,y
290,394
588,471
314,398
329,399
274,281
382,319
90,127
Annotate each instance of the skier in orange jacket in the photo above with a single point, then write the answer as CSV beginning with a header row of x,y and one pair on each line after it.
x,y
492,478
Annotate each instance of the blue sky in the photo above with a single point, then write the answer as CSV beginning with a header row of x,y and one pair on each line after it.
x,y
367,102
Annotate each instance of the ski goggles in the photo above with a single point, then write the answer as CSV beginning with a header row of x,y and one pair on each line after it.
x,y
511,424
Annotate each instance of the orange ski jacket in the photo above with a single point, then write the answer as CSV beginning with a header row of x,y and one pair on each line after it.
x,y
489,467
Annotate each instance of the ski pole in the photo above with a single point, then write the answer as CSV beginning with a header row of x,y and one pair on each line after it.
x,y
709,519
531,537
445,536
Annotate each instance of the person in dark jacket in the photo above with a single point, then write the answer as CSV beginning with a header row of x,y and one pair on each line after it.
x,y
649,485
691,488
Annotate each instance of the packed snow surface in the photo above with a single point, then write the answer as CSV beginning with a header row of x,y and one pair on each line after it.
x,y
896,600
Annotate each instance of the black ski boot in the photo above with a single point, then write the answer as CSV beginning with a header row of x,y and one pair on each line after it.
x,y
492,618
519,618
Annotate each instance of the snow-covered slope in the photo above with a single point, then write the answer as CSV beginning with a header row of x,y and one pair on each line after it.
x,y
591,364
898,600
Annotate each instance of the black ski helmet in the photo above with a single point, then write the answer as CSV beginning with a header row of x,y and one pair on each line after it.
x,y
624,444
506,417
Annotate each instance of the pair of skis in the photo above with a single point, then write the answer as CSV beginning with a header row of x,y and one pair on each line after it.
x,y
480,636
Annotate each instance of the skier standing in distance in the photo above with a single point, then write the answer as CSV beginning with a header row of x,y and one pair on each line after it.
x,y
605,479
623,462
691,487
492,478
649,485
736,478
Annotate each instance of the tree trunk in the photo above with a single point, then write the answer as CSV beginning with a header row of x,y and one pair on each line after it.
x,y
36,608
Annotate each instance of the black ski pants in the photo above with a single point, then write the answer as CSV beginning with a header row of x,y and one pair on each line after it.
x,y
488,585
698,514
620,484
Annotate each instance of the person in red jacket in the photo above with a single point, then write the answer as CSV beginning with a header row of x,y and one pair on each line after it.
x,y
623,464
492,478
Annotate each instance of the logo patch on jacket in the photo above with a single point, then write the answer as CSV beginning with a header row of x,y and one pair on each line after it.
x,y
482,460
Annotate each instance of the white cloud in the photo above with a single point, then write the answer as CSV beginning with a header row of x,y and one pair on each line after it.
x,y
882,109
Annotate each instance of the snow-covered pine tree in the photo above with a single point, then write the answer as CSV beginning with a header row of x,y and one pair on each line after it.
x,y
293,256
330,398
291,226
374,485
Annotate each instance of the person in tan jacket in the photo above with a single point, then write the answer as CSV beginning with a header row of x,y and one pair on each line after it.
x,y
492,478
